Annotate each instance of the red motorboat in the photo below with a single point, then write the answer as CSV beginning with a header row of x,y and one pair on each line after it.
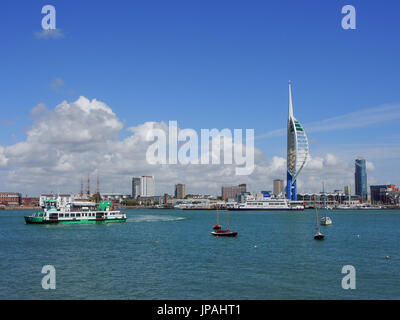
x,y
224,233
218,232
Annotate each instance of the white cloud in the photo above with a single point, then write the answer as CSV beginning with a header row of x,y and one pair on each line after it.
x,y
330,160
38,110
56,84
49,34
370,166
3,159
80,137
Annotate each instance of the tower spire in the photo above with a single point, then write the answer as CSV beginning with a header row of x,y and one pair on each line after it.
x,y
290,100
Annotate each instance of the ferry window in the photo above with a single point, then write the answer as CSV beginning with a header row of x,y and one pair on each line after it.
x,y
78,214
61,215
67,215
72,215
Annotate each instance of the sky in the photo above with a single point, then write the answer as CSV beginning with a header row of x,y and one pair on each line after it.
x,y
81,99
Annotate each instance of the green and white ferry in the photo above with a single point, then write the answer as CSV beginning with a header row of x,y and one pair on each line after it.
x,y
76,212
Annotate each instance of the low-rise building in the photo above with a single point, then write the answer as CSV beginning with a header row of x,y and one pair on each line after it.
x,y
117,197
62,199
385,194
30,202
10,199
232,192
330,199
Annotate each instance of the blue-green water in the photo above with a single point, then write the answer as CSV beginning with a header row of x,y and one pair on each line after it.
x,y
170,254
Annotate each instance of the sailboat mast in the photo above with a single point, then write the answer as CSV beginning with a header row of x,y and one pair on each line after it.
x,y
316,211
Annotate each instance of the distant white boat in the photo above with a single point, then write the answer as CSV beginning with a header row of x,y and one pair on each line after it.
x,y
326,221
267,204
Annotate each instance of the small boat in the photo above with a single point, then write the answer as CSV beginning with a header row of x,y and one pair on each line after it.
x,y
318,235
223,233
326,221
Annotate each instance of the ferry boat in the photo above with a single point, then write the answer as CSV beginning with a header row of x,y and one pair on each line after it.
x,y
76,212
267,204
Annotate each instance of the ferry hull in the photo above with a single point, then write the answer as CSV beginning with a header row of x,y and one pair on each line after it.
x,y
40,220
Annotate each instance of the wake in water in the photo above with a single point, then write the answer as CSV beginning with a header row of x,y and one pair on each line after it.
x,y
152,218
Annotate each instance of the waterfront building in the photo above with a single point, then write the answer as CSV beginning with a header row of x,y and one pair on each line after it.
x,y
10,199
143,187
360,177
232,192
117,197
180,191
297,150
150,200
30,202
384,194
278,186
329,199
62,199
135,187
166,196
147,186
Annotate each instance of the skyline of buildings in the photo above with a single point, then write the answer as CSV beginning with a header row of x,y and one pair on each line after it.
x,y
387,194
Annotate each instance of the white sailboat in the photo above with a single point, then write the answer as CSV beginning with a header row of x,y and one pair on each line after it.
x,y
325,221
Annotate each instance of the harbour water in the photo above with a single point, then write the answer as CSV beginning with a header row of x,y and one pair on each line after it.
x,y
170,254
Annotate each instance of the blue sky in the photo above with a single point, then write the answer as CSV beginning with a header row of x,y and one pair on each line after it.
x,y
206,64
